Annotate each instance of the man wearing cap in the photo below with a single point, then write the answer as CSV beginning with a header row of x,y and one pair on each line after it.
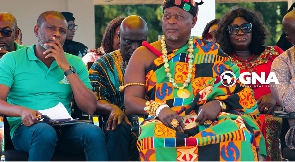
x,y
70,46
178,80
8,30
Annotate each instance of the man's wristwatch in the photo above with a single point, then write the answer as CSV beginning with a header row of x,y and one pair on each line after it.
x,y
222,105
70,71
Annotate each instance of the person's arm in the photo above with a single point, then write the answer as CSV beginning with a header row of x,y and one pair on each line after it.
x,y
101,86
29,117
103,89
84,97
134,96
284,92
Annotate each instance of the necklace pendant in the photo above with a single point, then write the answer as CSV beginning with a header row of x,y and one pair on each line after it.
x,y
183,93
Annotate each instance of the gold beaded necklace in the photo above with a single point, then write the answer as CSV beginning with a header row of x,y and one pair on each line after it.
x,y
182,92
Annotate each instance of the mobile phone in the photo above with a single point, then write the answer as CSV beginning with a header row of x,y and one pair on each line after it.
x,y
284,114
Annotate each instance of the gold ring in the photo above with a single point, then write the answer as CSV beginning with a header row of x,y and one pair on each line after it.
x,y
208,122
174,123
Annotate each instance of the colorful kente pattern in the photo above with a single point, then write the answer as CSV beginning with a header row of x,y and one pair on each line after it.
x,y
233,136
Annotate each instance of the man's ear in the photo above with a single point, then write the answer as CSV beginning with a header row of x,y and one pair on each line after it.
x,y
36,29
16,34
194,21
289,39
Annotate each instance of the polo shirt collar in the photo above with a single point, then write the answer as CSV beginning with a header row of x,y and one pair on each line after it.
x,y
32,56
31,53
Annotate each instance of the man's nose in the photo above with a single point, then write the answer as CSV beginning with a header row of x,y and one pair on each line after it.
x,y
172,20
57,33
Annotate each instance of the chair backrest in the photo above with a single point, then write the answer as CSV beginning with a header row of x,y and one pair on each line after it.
x,y
7,139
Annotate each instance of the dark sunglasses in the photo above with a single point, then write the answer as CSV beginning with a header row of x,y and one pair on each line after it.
x,y
6,32
234,29
73,27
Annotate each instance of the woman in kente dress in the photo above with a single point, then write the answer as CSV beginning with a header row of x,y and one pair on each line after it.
x,y
242,35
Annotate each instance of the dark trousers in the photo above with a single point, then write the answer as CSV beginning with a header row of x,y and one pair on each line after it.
x,y
40,141
118,142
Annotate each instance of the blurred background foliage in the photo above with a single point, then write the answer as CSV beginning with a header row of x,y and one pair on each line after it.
x,y
150,13
271,14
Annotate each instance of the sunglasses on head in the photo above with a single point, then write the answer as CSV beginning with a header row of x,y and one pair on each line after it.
x,y
6,32
72,27
234,29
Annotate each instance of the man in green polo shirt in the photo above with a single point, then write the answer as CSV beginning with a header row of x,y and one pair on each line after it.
x,y
39,77
8,33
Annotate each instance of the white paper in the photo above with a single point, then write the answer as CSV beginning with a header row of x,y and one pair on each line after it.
x,y
57,112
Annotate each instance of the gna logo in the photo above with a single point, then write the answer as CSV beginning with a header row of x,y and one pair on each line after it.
x,y
228,78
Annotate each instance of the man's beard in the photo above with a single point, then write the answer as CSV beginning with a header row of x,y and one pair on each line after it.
x,y
42,41
173,38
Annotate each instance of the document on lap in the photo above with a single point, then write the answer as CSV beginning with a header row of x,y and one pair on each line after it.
x,y
58,112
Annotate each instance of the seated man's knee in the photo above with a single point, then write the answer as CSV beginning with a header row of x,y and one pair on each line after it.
x,y
93,132
44,132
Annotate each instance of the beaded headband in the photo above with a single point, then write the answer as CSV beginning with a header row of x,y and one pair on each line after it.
x,y
187,5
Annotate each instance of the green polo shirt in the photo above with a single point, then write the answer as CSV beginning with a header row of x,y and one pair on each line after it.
x,y
33,85
17,46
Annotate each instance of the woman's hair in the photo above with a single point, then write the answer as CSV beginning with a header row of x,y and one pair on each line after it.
x,y
258,30
207,27
108,37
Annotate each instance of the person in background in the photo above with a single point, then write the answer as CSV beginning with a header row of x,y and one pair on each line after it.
x,y
106,75
283,67
9,32
283,43
210,30
70,46
92,56
19,38
39,77
110,41
195,114
241,34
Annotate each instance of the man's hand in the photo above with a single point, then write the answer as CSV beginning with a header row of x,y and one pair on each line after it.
x,y
57,53
208,111
115,118
29,117
266,104
166,115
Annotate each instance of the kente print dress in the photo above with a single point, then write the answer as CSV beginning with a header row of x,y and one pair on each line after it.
x,y
233,136
269,125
